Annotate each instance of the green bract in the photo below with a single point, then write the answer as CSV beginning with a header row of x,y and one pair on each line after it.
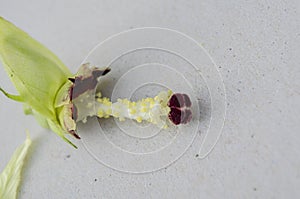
x,y
36,73
11,175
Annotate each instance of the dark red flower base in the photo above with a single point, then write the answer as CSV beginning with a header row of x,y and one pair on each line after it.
x,y
180,105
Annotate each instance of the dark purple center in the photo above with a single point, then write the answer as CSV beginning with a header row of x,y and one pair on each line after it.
x,y
180,105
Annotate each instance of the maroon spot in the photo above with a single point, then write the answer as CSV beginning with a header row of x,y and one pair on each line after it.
x,y
180,105
81,85
173,101
72,132
187,100
71,92
98,73
176,100
74,112
187,116
71,79
175,116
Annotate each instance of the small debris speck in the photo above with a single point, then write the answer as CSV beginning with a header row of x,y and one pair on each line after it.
x,y
197,155
230,49
68,156
254,189
95,179
252,136
238,90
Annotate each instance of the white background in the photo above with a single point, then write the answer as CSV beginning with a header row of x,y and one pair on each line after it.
x,y
256,46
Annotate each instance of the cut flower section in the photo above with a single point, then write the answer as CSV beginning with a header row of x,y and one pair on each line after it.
x,y
58,99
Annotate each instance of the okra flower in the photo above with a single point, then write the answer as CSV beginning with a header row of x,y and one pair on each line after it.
x,y
59,99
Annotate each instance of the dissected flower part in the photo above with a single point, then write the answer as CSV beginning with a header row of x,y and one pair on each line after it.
x,y
76,99
176,107
153,110
59,99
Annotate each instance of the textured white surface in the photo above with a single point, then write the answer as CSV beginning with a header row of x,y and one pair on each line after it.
x,y
256,46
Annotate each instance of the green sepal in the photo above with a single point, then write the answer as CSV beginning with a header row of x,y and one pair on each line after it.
x,y
34,70
36,73
55,126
